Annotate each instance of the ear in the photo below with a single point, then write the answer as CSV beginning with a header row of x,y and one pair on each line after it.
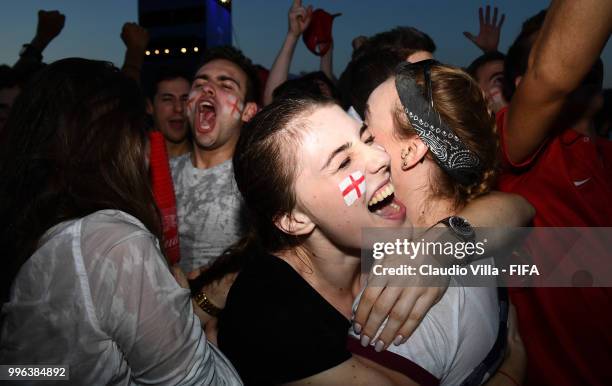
x,y
517,80
149,106
413,151
250,109
295,223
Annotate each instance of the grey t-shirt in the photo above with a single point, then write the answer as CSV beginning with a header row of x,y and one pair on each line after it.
x,y
209,210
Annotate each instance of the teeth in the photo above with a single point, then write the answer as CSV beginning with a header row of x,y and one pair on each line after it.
x,y
206,103
383,193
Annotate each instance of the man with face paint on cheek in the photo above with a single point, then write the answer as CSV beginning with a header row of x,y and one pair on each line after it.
x,y
221,100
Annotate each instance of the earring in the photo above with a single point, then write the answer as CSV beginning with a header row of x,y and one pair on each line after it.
x,y
404,155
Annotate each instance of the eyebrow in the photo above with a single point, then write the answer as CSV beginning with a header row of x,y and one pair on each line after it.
x,y
221,78
334,153
496,74
362,129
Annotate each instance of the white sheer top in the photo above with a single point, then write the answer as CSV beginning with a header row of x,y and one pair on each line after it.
x,y
98,296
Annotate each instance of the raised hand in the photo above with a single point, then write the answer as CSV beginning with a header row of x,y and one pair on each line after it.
x,y
50,24
488,36
134,36
299,18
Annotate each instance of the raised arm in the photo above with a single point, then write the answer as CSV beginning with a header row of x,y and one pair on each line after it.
x,y
299,18
327,64
571,39
135,39
50,25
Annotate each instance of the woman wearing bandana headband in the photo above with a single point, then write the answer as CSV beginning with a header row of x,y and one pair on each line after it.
x,y
441,139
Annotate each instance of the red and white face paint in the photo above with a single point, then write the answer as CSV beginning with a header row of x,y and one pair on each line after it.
x,y
235,106
352,187
191,104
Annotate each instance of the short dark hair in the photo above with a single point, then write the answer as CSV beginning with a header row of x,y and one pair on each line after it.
x,y
236,56
405,41
163,74
308,84
517,57
483,59
364,74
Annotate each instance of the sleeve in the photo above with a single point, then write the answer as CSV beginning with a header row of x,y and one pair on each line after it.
x,y
275,342
501,119
151,319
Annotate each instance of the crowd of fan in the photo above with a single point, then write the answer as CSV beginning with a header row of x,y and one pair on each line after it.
x,y
253,291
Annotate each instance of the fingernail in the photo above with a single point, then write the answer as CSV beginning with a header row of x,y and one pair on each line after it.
x,y
379,345
398,340
365,340
357,328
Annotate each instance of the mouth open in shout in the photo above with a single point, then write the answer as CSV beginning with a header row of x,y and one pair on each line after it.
x,y
206,117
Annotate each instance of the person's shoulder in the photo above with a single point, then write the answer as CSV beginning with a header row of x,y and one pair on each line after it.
x,y
265,277
105,229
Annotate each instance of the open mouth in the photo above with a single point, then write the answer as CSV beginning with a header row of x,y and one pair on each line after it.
x,y
176,124
384,204
206,116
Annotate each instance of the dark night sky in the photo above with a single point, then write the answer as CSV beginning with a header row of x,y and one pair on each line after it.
x,y
92,27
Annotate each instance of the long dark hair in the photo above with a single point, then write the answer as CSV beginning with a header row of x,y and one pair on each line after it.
x,y
74,144
265,168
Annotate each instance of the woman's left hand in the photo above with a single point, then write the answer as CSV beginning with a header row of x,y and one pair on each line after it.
x,y
405,307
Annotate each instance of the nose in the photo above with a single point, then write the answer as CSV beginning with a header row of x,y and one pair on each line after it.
x,y
208,89
378,160
179,105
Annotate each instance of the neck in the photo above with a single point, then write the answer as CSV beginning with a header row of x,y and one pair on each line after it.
x,y
176,149
585,127
333,273
423,209
208,158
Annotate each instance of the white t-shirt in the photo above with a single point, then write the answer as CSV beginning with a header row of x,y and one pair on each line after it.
x,y
209,210
455,335
98,296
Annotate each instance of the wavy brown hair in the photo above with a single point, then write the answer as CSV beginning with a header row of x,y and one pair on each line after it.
x,y
75,143
265,169
462,105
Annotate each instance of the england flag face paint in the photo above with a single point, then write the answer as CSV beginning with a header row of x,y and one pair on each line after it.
x,y
352,187
235,106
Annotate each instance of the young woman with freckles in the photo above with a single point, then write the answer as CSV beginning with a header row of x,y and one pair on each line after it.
x,y
298,165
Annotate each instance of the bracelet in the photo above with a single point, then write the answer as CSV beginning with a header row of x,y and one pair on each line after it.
x,y
508,376
206,305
